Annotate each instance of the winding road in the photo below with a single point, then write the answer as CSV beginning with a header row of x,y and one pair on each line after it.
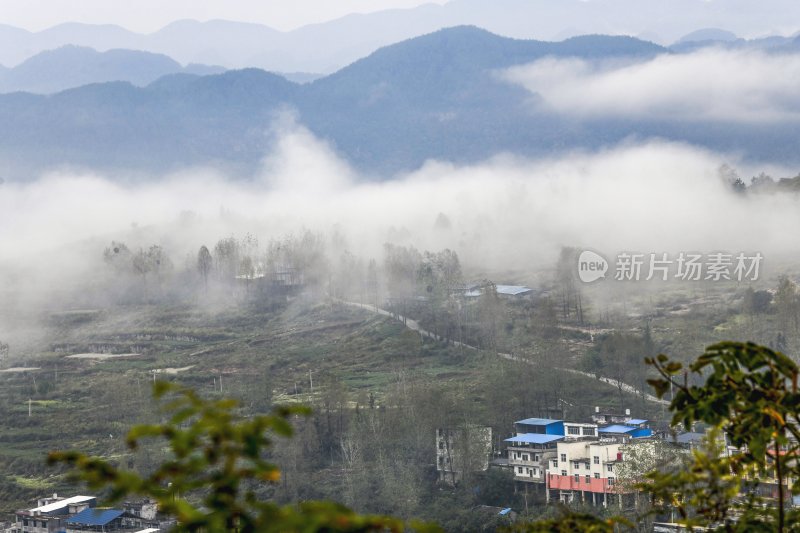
x,y
413,325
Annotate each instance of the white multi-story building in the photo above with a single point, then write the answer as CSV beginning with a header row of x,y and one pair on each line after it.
x,y
585,471
573,461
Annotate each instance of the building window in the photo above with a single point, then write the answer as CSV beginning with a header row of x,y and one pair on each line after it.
x,y
564,457
535,471
524,456
555,463
587,466
589,432
577,465
611,481
536,458
563,472
519,470
577,478
573,430
610,467
597,459
588,479
596,475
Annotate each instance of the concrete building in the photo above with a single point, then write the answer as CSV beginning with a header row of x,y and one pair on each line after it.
x,y
460,450
50,514
585,471
532,447
573,461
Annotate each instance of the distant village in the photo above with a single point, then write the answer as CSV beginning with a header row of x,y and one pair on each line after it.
x,y
75,514
595,462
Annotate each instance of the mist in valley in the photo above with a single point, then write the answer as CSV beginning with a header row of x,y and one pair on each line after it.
x,y
507,218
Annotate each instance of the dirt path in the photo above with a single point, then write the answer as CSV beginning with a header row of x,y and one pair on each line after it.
x,y
413,325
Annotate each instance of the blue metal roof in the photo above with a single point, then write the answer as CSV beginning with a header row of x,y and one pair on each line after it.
x,y
617,428
637,421
95,517
535,438
505,511
538,421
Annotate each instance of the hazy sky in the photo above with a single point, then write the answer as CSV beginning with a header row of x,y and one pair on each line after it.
x,y
150,15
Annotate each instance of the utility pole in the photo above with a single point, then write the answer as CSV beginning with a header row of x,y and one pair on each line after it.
x,y
311,381
29,407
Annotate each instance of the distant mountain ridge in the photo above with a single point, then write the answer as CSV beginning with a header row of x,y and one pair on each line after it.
x,y
73,66
438,96
329,46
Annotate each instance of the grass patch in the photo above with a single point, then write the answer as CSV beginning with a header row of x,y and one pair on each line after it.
x,y
34,483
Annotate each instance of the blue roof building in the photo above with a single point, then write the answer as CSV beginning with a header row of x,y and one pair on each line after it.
x,y
528,439
94,519
628,431
545,426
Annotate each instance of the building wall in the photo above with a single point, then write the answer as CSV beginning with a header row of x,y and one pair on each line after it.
x,y
560,482
533,470
584,458
451,445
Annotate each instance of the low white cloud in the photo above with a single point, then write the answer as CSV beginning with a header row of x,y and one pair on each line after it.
x,y
507,213
710,84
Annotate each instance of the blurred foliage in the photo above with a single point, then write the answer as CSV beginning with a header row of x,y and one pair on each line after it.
x,y
218,463
748,393
569,522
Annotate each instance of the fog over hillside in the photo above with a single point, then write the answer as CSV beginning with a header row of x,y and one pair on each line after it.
x,y
711,84
505,213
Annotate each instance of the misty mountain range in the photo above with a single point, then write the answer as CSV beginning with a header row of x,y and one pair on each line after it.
x,y
327,47
72,66
438,96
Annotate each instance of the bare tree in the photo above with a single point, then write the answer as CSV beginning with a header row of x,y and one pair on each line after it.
x,y
226,255
787,301
204,264
372,282
118,257
142,266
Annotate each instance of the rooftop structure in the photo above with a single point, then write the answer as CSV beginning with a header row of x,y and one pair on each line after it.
x,y
94,517
59,505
